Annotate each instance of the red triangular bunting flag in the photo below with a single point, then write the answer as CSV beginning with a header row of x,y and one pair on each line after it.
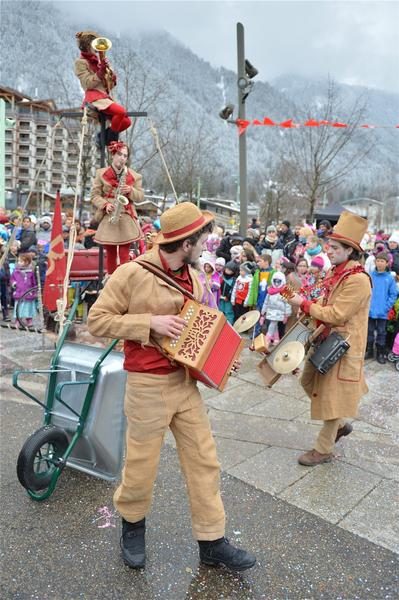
x,y
288,124
311,123
267,121
339,125
242,125
257,122
56,265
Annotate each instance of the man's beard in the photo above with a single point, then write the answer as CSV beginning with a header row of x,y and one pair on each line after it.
x,y
189,260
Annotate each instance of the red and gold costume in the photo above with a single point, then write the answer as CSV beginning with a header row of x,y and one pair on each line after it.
x,y
97,80
116,237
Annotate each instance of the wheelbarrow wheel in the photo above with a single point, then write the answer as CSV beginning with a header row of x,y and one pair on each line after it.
x,y
40,456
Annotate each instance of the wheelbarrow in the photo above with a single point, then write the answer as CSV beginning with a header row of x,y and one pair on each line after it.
x,y
84,422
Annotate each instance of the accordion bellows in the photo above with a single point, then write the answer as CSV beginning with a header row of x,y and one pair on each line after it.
x,y
208,345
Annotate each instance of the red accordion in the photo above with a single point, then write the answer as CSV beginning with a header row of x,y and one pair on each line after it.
x,y
208,346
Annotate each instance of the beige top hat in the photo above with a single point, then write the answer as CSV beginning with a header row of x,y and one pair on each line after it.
x,y
181,221
350,230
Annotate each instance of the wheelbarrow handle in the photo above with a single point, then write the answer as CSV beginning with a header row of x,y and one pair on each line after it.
x,y
60,387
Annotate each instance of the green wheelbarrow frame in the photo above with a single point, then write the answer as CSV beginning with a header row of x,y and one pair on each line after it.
x,y
54,392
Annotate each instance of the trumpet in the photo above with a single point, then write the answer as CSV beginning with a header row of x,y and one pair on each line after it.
x,y
102,45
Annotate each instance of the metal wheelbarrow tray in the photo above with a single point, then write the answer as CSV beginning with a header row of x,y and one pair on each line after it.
x,y
84,421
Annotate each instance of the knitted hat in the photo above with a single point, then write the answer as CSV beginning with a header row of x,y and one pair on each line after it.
x,y
236,250
278,277
271,229
326,223
220,261
349,230
286,223
246,267
232,266
181,221
394,237
45,220
317,262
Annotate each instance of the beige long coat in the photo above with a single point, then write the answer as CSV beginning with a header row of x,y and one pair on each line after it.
x,y
131,296
91,81
337,393
128,229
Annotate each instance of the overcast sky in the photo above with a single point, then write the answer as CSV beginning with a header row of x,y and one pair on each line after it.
x,y
355,42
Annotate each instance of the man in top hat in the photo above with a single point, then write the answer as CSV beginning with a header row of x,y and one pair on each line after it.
x,y
343,307
141,308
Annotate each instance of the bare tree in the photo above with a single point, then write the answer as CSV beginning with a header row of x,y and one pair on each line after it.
x,y
321,157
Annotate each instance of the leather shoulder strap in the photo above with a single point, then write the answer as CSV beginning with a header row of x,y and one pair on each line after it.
x,y
162,275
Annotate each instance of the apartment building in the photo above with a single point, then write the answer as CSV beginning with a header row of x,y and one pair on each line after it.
x,y
42,150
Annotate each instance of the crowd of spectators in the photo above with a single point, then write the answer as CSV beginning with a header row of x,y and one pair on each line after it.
x,y
239,273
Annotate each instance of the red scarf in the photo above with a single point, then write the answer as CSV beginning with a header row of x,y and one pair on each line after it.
x,y
111,177
338,275
92,59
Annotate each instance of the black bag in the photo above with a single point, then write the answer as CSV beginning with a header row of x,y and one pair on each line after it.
x,y
329,352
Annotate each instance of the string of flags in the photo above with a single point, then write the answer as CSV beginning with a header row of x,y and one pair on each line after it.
x,y
243,124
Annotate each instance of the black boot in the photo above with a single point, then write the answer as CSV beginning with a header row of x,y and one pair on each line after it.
x,y
133,543
381,355
369,351
222,553
111,136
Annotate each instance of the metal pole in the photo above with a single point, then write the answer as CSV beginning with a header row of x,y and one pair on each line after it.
x,y
2,152
199,192
102,164
242,139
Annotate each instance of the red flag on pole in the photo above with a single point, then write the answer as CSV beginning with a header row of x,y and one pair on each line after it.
x,y
56,261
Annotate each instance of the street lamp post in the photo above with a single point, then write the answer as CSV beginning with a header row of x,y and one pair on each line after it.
x,y
242,139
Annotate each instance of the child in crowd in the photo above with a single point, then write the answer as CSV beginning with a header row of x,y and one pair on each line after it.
x,y
313,249
241,290
210,280
383,297
261,279
220,263
312,289
236,252
229,277
23,279
302,270
275,311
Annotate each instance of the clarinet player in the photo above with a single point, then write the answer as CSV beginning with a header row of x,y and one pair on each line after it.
x,y
115,189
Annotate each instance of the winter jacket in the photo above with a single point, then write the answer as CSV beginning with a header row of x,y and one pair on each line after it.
x,y
383,294
254,292
241,290
27,238
23,280
274,307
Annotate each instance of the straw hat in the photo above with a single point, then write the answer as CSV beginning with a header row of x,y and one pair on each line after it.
x,y
349,230
181,221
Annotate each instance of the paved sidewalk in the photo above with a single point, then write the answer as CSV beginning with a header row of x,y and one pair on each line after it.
x,y
261,431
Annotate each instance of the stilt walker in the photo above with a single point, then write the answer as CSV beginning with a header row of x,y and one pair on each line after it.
x,y
98,79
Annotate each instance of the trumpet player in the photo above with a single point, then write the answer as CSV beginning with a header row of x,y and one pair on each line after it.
x,y
115,189
97,80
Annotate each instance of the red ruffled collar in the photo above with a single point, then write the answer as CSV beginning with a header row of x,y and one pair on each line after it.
x,y
92,59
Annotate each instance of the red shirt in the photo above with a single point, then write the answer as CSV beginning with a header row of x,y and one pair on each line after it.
x,y
148,359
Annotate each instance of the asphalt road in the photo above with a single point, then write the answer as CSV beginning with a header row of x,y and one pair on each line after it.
x,y
59,549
